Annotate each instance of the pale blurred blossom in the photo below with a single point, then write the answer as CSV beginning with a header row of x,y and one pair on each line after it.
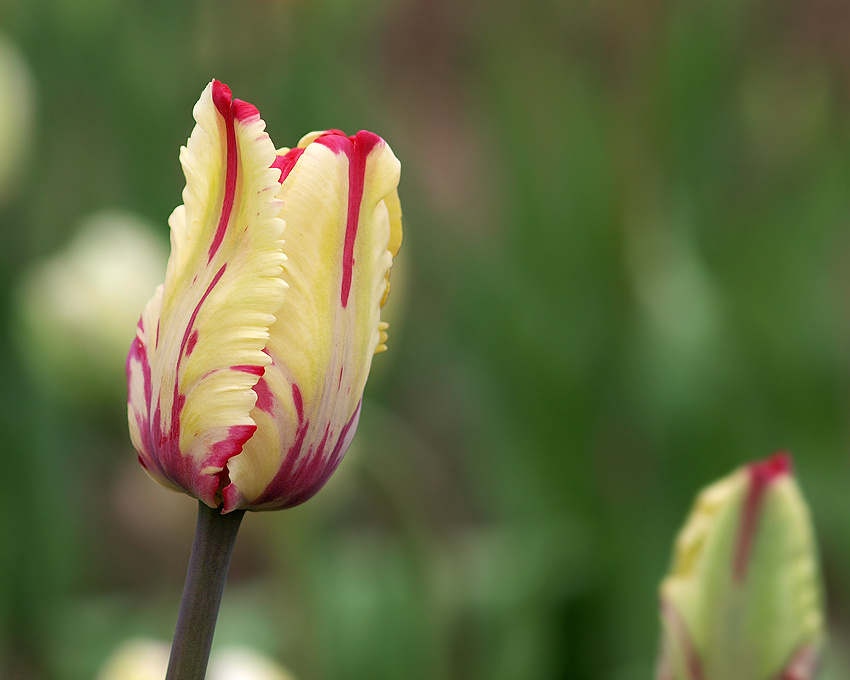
x,y
139,659
244,663
144,659
78,309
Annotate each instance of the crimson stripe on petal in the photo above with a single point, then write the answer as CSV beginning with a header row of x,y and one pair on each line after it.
x,y
299,478
139,355
357,149
761,476
231,445
286,162
190,345
222,98
249,368
265,398
187,334
167,443
299,402
318,469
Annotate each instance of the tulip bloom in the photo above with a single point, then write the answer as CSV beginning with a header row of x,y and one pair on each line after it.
x,y
742,601
247,371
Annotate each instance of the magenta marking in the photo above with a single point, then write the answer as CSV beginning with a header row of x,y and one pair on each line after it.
x,y
248,368
286,162
357,149
139,353
164,459
190,326
341,444
221,95
222,99
180,399
224,450
298,479
761,475
193,340
169,462
299,402
265,398
164,449
336,141
317,470
339,382
680,631
223,478
144,424
244,112
321,450
231,498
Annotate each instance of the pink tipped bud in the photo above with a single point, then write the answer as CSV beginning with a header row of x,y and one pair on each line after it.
x,y
742,600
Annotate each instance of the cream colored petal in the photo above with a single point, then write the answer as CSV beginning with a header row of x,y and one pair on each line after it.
x,y
199,349
340,240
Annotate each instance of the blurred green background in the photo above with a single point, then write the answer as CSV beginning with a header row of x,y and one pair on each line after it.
x,y
625,273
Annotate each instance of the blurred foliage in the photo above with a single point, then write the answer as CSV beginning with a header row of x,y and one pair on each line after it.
x,y
625,273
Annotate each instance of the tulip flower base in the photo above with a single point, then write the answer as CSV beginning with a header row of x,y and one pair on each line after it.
x,y
215,536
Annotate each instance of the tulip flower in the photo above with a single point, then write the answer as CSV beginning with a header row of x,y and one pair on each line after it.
x,y
742,601
249,363
247,371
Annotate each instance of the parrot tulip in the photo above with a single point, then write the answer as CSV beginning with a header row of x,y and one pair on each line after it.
x,y
247,371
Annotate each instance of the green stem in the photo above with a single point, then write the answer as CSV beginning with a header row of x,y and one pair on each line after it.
x,y
215,536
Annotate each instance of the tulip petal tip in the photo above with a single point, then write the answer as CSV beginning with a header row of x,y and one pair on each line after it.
x,y
770,469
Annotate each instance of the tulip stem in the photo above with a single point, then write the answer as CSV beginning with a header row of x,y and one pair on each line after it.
x,y
215,536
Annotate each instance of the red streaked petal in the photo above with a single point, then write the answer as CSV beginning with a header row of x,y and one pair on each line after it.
x,y
341,236
285,161
200,346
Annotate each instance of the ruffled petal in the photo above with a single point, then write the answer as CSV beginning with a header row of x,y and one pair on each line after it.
x,y
199,348
343,228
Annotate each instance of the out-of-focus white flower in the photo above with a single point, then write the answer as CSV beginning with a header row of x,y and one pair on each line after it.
x,y
139,659
16,115
77,310
244,663
145,659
